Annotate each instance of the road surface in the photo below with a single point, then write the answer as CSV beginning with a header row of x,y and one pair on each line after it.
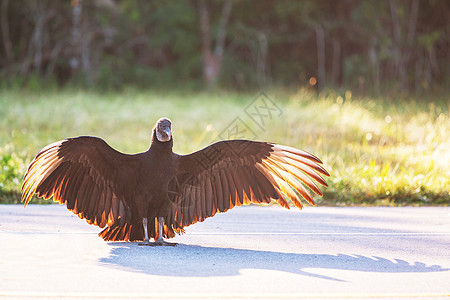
x,y
248,252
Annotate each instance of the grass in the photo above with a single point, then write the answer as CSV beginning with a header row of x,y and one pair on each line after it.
x,y
379,151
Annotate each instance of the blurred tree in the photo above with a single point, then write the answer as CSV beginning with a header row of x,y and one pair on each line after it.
x,y
213,55
364,44
5,32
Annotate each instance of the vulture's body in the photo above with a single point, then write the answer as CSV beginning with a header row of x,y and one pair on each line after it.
x,y
157,193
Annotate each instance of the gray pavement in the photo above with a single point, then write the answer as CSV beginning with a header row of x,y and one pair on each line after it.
x,y
248,252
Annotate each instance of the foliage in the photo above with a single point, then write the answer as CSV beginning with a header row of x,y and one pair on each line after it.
x,y
368,45
379,151
11,173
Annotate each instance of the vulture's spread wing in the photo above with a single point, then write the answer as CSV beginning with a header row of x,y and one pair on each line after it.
x,y
83,173
236,172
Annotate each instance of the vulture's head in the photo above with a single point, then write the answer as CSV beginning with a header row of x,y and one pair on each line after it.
x,y
163,130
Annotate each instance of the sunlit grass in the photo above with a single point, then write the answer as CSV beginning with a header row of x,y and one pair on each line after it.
x,y
383,151
378,151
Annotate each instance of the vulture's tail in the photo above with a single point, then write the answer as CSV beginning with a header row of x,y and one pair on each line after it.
x,y
135,232
127,232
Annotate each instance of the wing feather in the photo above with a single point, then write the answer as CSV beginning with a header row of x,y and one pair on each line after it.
x,y
196,209
299,174
84,192
209,198
191,205
239,172
245,184
238,186
219,192
202,211
232,188
225,190
82,173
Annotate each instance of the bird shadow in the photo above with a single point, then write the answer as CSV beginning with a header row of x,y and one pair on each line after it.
x,y
198,261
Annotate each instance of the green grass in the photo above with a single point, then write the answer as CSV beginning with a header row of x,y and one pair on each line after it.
x,y
379,151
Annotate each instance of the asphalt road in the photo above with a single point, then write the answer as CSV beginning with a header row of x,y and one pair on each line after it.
x,y
248,252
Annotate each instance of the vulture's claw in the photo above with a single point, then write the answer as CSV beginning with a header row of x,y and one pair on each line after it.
x,y
157,243
145,243
164,243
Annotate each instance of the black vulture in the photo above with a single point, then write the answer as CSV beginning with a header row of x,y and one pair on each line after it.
x,y
156,193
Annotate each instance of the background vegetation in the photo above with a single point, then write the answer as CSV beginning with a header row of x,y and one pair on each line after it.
x,y
363,84
378,151
369,46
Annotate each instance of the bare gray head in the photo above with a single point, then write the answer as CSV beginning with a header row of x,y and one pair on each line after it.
x,y
163,130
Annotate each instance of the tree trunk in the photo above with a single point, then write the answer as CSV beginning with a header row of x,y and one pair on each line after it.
x,y
86,59
411,37
5,31
76,35
34,55
335,68
399,57
320,39
261,61
37,40
212,60
375,66
413,22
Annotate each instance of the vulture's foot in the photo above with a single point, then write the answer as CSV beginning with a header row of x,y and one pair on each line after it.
x,y
163,243
156,243
145,243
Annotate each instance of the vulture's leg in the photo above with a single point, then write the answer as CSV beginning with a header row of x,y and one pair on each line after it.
x,y
146,241
160,241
